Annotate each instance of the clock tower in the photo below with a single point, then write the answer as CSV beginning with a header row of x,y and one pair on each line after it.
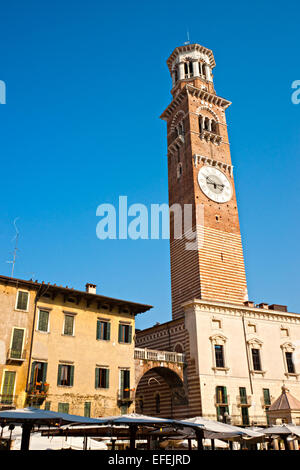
x,y
200,175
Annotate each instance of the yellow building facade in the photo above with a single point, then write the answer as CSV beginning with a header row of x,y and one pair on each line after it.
x,y
78,349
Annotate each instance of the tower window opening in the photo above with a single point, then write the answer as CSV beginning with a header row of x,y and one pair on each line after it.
x,y
175,74
188,69
179,170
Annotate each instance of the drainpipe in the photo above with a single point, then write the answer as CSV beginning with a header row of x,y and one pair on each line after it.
x,y
248,363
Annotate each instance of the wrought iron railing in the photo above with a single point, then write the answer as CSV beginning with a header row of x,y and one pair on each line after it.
x,y
8,400
16,355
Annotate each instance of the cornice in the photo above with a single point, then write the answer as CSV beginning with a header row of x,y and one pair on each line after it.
x,y
190,48
241,310
199,93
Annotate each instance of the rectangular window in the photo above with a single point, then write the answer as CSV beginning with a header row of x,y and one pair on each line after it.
x,y
69,325
87,409
38,375
267,397
245,416
256,359
47,405
221,395
103,330
8,387
219,355
22,300
17,343
290,362
63,407
125,383
243,396
43,323
125,333
101,377
65,375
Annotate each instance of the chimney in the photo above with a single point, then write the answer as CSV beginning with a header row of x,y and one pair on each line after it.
x,y
263,305
90,288
249,303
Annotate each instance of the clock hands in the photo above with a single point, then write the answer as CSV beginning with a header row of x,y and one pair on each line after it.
x,y
216,185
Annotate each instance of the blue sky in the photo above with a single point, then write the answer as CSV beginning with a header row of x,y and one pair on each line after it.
x,y
86,83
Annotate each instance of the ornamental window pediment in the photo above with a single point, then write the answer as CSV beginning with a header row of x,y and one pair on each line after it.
x,y
218,339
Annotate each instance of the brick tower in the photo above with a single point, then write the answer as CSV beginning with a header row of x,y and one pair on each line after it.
x,y
201,175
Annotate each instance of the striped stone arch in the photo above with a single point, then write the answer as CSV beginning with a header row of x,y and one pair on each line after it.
x,y
175,119
207,108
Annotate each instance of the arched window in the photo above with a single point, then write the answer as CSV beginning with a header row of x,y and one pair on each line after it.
x,y
206,123
200,123
214,127
157,403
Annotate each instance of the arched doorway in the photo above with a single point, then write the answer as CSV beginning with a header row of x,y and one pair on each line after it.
x,y
160,392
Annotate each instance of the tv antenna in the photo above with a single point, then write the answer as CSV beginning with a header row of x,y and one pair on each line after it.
x,y
16,238
188,38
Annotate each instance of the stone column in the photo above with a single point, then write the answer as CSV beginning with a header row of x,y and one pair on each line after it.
x,y
195,68
209,125
173,79
208,73
181,71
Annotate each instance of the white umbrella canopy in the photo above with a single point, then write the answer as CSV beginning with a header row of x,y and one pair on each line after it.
x,y
215,429
135,418
283,429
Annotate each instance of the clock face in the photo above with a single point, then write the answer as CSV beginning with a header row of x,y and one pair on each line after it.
x,y
214,184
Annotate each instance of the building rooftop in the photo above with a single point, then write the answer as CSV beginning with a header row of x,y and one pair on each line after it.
x,y
50,290
285,401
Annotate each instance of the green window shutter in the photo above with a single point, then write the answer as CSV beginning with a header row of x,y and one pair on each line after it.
x,y
9,383
71,376
59,374
43,320
107,379
108,331
69,325
120,333
129,334
122,372
22,300
87,409
47,405
32,372
45,366
98,334
225,394
17,343
97,377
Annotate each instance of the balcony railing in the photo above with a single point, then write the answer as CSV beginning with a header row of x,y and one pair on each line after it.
x,y
244,400
156,355
37,393
210,136
126,395
16,355
222,401
8,401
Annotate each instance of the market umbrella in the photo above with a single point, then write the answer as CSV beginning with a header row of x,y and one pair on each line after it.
x,y
29,417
